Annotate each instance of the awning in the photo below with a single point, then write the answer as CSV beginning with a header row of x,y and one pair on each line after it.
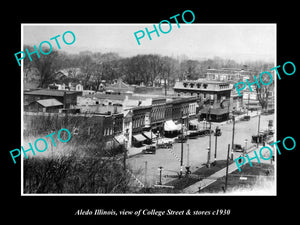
x,y
148,134
170,126
139,137
215,111
120,138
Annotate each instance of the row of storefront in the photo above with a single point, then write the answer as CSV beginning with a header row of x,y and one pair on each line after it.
x,y
144,124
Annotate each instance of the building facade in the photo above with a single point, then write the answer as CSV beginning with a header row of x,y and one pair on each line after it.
x,y
215,94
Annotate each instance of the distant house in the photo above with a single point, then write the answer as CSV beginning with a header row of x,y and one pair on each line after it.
x,y
70,86
44,105
68,98
120,87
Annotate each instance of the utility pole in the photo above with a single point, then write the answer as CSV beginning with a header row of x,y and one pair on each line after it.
x,y
188,161
181,158
209,147
216,144
258,131
226,179
146,173
233,129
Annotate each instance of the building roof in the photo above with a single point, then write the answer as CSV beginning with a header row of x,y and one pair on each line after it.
x,y
50,92
120,86
49,102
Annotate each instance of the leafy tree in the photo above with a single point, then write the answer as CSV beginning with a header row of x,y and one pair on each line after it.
x,y
45,64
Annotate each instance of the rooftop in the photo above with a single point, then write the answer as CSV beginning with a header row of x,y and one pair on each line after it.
x,y
50,92
49,102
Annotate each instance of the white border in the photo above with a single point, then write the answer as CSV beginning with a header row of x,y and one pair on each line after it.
x,y
116,24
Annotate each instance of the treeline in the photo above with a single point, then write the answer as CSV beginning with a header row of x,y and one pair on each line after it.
x,y
148,69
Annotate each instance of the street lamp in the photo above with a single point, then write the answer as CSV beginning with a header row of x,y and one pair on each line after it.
x,y
160,171
208,157
217,133
157,136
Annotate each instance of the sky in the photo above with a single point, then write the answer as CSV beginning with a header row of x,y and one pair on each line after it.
x,y
240,42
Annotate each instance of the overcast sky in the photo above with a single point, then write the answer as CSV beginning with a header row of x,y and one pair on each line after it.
x,y
239,42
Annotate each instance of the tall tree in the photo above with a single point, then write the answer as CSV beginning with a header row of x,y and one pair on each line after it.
x,y
46,65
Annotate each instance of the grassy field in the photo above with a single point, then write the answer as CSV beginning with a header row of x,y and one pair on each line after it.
x,y
256,179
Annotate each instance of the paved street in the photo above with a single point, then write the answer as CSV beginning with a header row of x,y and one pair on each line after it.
x,y
169,158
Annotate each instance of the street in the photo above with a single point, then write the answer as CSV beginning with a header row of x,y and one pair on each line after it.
x,y
146,166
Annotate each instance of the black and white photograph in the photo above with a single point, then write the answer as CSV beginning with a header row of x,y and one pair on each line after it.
x,y
149,109
149,113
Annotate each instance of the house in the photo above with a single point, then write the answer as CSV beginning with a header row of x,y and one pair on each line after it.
x,y
63,86
120,87
68,98
45,105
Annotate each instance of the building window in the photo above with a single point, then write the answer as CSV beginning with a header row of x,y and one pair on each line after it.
x,y
192,85
198,85
185,84
204,86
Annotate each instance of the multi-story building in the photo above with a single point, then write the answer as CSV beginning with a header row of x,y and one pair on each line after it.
x,y
157,116
140,114
228,74
216,95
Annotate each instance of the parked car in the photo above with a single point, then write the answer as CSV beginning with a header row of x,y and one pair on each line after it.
x,y
259,138
245,118
238,148
149,150
164,145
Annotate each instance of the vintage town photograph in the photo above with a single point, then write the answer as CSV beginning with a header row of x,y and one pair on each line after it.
x,y
160,118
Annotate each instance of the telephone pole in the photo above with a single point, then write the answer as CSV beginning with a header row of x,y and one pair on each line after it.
x,y
216,144
233,129
226,179
181,156
258,137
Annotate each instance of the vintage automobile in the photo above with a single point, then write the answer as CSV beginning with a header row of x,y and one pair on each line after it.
x,y
149,150
238,148
260,138
245,118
